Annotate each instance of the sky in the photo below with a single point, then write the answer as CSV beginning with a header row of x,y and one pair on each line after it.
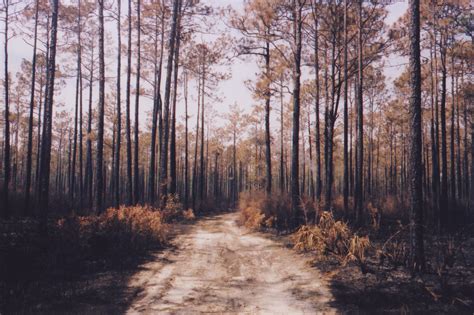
x,y
231,91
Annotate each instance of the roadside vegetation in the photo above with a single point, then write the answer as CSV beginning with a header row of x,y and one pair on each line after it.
x,y
368,266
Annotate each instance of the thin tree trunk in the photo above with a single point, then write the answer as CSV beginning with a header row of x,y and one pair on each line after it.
x,y
359,198
444,159
173,118
48,119
136,172
282,152
186,158
452,136
119,110
169,69
99,206
268,156
194,184
127,109
345,157
156,111
415,182
201,172
297,30
6,137
89,172
29,154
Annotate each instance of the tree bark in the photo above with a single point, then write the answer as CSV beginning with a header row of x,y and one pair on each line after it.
x,y
29,154
119,110
169,69
186,157
127,109
173,118
268,156
6,137
444,159
136,172
359,190
156,112
345,157
295,190
99,188
48,119
416,167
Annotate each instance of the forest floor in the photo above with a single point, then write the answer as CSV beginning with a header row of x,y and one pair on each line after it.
x,y
219,267
216,266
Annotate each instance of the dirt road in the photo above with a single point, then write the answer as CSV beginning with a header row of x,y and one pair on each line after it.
x,y
219,267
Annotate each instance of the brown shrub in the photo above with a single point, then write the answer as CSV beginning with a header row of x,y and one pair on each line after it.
x,y
71,242
134,228
251,210
188,215
74,246
173,210
332,238
375,216
395,249
258,210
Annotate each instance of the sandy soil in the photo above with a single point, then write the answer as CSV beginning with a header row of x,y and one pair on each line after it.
x,y
219,267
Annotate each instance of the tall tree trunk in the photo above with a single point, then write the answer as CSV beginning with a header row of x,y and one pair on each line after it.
x,y
201,172
282,149
38,133
136,172
452,136
81,136
72,183
330,126
194,184
99,188
310,168
156,110
186,158
29,154
295,190
346,165
169,70
119,110
48,119
173,118
127,109
466,146
268,156
458,146
89,173
433,127
316,108
444,159
359,190
6,137
416,167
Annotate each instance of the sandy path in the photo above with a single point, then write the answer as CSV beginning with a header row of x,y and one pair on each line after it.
x,y
222,268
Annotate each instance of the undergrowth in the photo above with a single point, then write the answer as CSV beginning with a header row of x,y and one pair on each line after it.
x,y
330,237
74,246
257,210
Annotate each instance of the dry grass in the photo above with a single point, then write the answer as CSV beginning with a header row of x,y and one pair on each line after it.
x,y
72,244
332,238
251,210
73,247
173,210
188,215
257,210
